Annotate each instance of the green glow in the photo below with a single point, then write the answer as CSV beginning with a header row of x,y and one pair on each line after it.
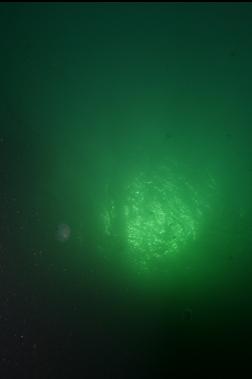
x,y
157,215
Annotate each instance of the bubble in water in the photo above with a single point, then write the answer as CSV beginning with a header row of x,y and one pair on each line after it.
x,y
63,232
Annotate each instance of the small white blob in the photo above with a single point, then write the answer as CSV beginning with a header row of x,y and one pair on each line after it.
x,y
63,232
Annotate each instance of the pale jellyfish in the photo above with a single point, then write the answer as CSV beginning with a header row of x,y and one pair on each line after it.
x,y
63,232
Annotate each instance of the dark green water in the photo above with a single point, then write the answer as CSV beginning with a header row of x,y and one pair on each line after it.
x,y
126,178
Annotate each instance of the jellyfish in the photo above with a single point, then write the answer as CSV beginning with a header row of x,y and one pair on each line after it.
x,y
63,232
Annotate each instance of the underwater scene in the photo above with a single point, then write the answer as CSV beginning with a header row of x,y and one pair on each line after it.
x,y
126,190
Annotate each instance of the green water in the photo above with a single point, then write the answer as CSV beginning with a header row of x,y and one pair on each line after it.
x,y
130,124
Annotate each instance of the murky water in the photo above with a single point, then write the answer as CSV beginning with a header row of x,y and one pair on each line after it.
x,y
126,177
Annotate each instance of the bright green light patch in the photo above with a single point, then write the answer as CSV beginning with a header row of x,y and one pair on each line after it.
x,y
155,216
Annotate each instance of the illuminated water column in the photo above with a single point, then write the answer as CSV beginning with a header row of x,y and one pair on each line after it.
x,y
155,216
